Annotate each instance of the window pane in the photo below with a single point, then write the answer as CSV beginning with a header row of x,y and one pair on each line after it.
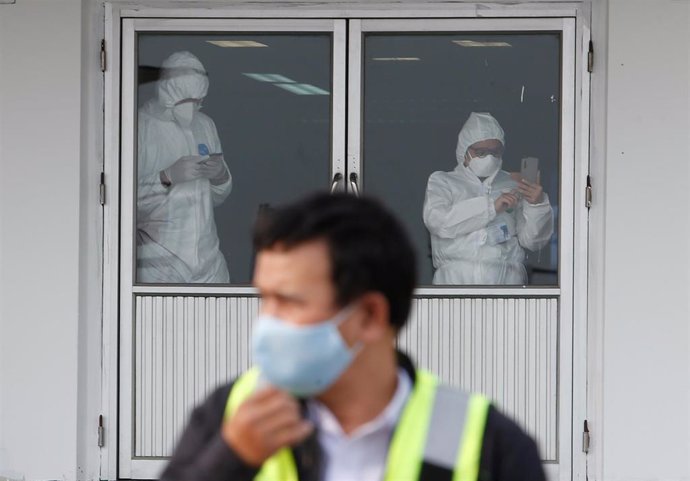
x,y
479,225
227,125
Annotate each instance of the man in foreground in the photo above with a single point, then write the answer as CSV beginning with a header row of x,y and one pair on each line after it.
x,y
330,398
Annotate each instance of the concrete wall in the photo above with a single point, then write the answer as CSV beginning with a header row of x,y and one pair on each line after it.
x,y
646,369
40,76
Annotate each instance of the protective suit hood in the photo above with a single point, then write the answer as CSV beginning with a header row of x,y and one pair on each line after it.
x,y
183,77
479,126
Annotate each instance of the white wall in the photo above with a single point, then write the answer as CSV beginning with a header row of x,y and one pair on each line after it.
x,y
40,79
646,369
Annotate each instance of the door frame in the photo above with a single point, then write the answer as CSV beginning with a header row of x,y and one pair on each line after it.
x,y
116,11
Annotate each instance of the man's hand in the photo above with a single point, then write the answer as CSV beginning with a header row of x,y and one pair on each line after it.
x,y
505,201
531,192
266,422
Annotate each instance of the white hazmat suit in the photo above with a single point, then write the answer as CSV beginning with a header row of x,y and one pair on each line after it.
x,y
176,231
470,242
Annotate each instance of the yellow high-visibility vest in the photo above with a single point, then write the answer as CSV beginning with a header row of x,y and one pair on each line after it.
x,y
440,425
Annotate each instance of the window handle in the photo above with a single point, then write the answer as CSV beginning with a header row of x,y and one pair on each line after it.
x,y
336,180
353,183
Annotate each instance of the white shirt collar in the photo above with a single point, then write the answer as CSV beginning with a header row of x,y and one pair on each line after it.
x,y
386,419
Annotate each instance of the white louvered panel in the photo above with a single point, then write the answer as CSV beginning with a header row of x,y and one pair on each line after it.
x,y
183,348
505,348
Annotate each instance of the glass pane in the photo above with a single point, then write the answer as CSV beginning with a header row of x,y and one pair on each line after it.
x,y
227,125
473,221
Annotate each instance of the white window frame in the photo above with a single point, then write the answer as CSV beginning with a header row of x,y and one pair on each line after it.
x,y
128,466
117,11
568,159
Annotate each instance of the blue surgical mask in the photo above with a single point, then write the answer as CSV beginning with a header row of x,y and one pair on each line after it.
x,y
303,360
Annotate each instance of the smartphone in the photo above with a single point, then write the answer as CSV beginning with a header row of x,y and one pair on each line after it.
x,y
212,158
529,169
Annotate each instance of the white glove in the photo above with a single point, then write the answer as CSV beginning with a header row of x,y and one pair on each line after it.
x,y
184,169
213,167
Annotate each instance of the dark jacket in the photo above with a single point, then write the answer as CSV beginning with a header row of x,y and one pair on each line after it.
x,y
508,454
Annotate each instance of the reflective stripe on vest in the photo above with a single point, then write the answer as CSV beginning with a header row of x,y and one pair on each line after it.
x,y
439,425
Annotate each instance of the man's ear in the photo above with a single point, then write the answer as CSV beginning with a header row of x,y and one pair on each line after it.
x,y
376,324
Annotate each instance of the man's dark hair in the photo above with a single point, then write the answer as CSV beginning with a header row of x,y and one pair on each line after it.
x,y
369,249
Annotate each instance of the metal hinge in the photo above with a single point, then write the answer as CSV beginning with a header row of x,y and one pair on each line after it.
x,y
588,193
101,432
585,438
101,192
590,57
103,56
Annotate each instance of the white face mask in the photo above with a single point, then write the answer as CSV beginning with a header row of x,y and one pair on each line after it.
x,y
485,166
184,113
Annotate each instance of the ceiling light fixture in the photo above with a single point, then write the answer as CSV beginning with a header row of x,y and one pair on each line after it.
x,y
269,77
396,59
236,43
474,43
302,89
286,83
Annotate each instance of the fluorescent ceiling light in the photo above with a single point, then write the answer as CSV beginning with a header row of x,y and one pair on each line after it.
x,y
473,43
313,89
236,43
396,59
287,83
302,89
269,77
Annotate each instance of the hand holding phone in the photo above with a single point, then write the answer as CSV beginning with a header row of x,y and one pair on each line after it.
x,y
212,167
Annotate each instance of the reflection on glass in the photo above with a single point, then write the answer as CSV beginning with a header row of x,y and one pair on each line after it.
x,y
182,177
228,124
419,89
480,217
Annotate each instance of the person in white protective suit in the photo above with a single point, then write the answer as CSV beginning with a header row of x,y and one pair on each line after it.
x,y
481,219
182,177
